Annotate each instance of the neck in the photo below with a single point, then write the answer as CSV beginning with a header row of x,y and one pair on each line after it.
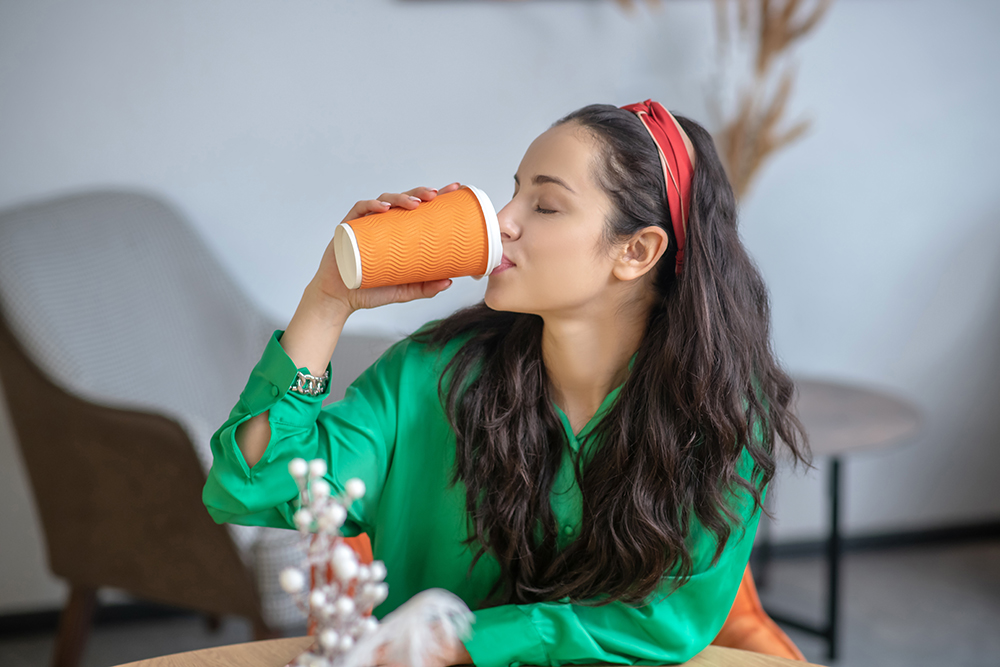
x,y
586,356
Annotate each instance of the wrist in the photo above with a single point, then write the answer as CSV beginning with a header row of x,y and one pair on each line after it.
x,y
334,310
457,654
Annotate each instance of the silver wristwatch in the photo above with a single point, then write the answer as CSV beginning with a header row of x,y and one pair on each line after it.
x,y
310,385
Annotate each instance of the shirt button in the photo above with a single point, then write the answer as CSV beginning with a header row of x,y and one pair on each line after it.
x,y
274,390
568,530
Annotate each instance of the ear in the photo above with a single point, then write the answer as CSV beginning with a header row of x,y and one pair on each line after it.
x,y
641,253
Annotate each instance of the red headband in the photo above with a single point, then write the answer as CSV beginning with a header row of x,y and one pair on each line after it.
x,y
677,170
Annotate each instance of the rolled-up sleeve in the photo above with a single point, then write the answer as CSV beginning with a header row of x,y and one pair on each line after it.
x,y
672,628
355,436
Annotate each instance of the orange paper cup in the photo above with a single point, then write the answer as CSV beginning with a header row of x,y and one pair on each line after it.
x,y
454,234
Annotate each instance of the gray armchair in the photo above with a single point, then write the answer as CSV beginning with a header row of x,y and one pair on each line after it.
x,y
123,346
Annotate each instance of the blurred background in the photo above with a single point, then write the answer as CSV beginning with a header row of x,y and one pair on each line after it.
x,y
877,229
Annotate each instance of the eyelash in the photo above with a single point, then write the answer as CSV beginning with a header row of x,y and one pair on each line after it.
x,y
538,209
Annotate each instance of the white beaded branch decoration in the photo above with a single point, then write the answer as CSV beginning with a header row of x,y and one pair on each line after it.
x,y
337,605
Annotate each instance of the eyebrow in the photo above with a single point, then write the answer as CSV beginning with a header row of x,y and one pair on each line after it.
x,y
541,179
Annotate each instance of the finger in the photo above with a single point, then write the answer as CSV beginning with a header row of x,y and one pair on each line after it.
x,y
365,207
425,194
451,187
402,200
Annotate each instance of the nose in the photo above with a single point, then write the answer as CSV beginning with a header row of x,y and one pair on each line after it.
x,y
509,229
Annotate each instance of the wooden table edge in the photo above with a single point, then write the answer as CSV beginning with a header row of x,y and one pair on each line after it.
x,y
278,652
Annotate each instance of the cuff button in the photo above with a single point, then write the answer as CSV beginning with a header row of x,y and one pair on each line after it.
x,y
274,390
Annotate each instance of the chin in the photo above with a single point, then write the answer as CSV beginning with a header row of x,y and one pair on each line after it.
x,y
495,300
502,306
491,301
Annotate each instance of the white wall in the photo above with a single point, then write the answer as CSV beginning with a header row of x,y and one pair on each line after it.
x,y
263,121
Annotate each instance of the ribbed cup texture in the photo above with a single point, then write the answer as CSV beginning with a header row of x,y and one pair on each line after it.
x,y
442,238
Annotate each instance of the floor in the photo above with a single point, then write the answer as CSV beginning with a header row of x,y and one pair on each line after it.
x,y
927,606
917,607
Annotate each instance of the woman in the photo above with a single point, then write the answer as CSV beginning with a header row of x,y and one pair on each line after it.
x,y
582,457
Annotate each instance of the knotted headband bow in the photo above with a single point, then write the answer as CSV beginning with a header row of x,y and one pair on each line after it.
x,y
677,169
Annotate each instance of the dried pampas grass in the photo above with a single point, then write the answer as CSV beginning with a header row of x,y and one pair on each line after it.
x,y
752,132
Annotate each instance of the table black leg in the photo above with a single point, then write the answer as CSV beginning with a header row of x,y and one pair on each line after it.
x,y
834,550
830,630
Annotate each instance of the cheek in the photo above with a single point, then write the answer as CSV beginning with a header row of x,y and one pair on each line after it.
x,y
570,264
559,270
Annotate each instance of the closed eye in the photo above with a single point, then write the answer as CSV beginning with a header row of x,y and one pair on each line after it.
x,y
544,211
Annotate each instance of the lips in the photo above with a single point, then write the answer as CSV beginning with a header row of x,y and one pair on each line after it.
x,y
505,263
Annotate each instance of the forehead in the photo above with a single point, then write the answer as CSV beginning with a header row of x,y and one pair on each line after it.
x,y
567,152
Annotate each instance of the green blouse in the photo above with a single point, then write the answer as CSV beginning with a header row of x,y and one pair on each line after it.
x,y
391,431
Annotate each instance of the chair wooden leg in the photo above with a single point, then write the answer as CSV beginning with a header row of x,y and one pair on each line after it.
x,y
74,626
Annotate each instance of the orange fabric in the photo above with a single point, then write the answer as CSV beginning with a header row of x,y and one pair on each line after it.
x,y
749,628
362,546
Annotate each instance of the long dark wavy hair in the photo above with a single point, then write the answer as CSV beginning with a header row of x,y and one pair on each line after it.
x,y
705,386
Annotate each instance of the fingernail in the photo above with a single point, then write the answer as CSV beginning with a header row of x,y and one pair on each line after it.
x,y
384,203
416,199
434,189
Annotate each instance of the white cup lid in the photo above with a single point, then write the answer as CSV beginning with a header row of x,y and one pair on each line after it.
x,y
345,249
494,245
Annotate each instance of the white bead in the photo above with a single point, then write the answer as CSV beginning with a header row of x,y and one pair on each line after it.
x,y
355,488
317,599
369,625
317,468
345,606
379,593
292,580
319,489
346,643
337,514
378,571
298,468
342,552
332,517
346,569
303,519
364,573
328,638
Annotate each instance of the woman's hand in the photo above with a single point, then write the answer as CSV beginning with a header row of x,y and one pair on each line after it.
x,y
453,653
330,285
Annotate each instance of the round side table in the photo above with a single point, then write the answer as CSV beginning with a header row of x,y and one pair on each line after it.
x,y
842,419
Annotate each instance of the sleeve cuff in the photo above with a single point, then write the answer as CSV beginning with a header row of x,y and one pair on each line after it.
x,y
504,636
269,384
